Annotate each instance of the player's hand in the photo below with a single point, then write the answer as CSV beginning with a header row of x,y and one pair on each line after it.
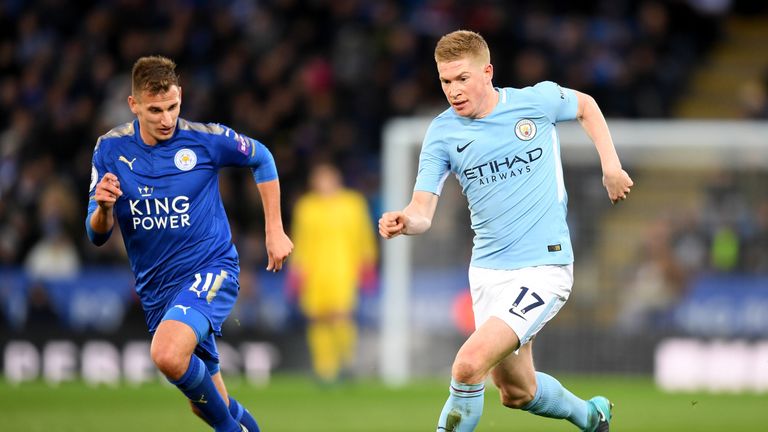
x,y
279,246
107,191
618,184
392,224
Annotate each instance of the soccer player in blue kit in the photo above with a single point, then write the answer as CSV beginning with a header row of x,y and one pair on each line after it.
x,y
502,146
158,175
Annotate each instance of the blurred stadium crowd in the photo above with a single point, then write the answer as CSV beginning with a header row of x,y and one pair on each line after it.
x,y
313,80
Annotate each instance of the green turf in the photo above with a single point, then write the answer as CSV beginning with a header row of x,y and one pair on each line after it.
x,y
293,403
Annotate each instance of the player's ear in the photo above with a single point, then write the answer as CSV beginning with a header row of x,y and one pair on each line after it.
x,y
489,72
132,103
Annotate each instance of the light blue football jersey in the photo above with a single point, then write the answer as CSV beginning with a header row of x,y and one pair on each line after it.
x,y
170,214
508,165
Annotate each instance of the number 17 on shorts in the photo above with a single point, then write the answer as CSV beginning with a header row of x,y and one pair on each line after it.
x,y
525,299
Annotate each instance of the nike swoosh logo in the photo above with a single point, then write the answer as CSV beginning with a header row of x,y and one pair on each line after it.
x,y
512,311
461,149
601,415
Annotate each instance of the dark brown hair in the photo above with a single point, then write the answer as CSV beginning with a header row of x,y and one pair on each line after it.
x,y
153,74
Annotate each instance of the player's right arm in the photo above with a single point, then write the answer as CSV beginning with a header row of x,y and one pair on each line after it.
x,y
414,219
434,166
107,193
102,197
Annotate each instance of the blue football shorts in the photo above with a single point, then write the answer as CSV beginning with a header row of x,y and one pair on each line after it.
x,y
203,302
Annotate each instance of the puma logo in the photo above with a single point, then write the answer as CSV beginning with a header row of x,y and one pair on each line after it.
x,y
201,400
183,308
127,162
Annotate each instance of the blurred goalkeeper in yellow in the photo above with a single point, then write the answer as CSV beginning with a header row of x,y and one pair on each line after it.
x,y
335,252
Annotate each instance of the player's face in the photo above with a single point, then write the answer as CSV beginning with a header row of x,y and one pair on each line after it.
x,y
157,113
467,86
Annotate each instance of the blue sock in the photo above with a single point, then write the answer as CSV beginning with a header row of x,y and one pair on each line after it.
x,y
198,386
242,415
555,401
467,400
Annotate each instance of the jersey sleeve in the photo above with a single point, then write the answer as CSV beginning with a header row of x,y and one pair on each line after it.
x,y
558,103
235,149
97,172
434,164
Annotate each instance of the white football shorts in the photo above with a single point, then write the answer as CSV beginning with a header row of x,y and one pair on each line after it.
x,y
525,298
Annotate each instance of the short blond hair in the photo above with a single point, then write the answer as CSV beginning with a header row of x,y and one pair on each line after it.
x,y
460,44
154,74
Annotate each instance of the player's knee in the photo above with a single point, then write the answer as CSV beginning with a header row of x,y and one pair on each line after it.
x,y
169,362
516,397
467,370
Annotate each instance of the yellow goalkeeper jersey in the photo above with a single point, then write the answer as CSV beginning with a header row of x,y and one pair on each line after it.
x,y
334,240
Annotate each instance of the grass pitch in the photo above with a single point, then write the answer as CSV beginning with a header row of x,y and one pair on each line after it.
x,y
294,403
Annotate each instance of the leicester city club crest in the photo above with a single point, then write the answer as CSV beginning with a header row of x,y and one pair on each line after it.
x,y
185,159
525,129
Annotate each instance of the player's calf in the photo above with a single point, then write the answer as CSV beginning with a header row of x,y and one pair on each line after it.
x,y
198,387
515,396
555,401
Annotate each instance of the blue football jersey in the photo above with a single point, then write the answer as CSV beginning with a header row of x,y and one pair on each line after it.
x,y
508,165
171,215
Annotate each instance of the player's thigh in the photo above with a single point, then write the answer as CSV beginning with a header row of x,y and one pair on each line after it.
x,y
488,345
172,345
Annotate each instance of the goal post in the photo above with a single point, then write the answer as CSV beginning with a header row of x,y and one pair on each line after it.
x,y
400,137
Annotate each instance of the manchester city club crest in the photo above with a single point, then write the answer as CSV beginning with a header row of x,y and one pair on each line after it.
x,y
525,129
185,159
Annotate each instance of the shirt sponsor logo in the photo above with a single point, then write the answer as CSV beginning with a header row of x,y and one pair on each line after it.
x,y
145,191
159,213
503,169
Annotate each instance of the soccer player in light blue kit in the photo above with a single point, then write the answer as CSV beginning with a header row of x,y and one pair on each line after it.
x,y
502,146
158,176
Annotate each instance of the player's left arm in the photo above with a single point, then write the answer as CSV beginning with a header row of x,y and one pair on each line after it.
x,y
235,149
279,246
616,181
262,164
